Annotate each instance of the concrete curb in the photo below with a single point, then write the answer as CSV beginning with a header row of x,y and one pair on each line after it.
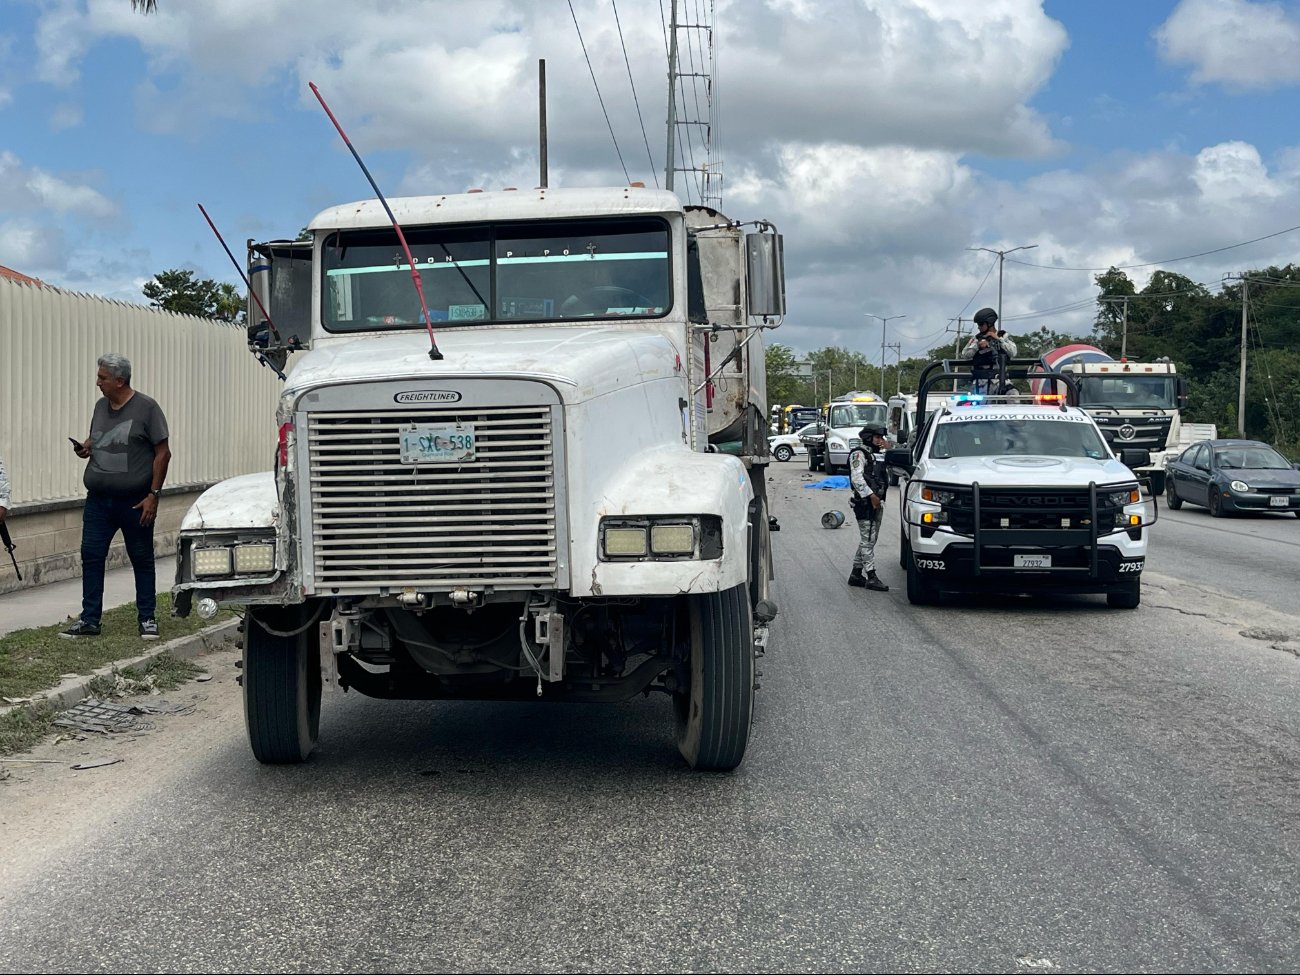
x,y
75,689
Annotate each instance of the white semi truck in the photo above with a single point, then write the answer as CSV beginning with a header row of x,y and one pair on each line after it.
x,y
567,503
1135,404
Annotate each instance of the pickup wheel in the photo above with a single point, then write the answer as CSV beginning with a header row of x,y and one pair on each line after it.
x,y
1128,599
1171,495
920,592
716,707
282,686
783,452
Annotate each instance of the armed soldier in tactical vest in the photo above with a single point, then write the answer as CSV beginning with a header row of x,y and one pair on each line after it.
x,y
870,480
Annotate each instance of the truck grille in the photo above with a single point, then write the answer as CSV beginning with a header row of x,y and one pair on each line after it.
x,y
1151,432
1056,510
379,523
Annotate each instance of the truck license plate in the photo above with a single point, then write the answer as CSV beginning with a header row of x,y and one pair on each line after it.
x,y
1032,561
1279,501
438,445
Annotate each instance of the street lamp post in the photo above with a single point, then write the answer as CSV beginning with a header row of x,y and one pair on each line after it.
x,y
1002,256
884,323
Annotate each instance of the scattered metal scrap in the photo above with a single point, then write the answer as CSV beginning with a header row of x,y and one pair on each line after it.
x,y
104,718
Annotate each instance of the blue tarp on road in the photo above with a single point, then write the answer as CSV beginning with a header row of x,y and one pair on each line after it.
x,y
830,483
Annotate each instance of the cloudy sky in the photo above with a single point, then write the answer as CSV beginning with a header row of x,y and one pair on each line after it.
x,y
885,138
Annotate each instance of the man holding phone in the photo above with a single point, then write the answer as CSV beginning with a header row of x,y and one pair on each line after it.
x,y
128,453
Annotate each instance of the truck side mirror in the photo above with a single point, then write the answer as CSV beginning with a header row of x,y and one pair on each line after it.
x,y
1134,457
281,276
901,458
1184,397
765,264
901,437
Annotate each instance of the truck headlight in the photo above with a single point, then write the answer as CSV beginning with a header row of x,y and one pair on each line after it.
x,y
837,444
258,557
1241,487
211,561
624,542
672,539
1117,499
937,495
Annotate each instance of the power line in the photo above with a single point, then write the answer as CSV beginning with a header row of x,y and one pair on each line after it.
x,y
971,301
636,101
598,95
1172,260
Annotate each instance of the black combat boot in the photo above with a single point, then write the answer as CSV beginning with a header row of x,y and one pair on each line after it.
x,y
856,578
873,582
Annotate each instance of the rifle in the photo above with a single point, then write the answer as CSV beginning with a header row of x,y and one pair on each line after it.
x,y
9,544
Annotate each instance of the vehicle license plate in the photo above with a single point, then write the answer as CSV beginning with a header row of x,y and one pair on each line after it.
x,y
1032,561
438,445
1279,501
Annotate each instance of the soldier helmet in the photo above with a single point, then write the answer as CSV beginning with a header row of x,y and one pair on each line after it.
x,y
869,431
986,316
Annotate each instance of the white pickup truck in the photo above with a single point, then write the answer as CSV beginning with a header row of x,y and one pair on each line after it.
x,y
1019,493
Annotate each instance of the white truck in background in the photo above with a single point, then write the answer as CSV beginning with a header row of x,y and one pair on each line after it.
x,y
569,503
1135,404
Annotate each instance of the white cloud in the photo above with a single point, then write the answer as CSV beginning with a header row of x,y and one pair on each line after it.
x,y
31,247
1241,44
29,188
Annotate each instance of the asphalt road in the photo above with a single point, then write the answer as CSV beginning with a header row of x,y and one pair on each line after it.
x,y
1005,784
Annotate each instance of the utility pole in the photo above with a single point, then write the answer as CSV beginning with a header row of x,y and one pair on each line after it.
x,y
884,324
956,347
1002,256
898,371
1123,342
1241,385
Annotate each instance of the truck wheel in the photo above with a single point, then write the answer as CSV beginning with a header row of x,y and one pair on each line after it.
x,y
1171,495
783,452
812,459
282,686
715,709
919,590
1157,483
1128,599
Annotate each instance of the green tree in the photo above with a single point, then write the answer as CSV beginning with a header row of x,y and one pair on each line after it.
x,y
144,6
230,303
178,291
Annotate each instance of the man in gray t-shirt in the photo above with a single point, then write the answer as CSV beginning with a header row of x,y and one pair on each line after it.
x,y
129,454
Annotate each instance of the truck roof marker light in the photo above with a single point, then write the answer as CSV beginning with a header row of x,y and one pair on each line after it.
x,y
401,237
1051,398
636,184
476,189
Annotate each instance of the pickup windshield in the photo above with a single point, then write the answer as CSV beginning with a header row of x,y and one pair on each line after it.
x,y
1128,392
534,272
1055,437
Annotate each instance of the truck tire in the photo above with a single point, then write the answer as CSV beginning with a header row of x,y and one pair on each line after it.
x,y
1171,495
1128,599
920,592
1157,483
812,459
783,452
716,708
282,686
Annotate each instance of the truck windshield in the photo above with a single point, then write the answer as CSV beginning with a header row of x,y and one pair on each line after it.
x,y
858,414
543,271
1052,437
1129,392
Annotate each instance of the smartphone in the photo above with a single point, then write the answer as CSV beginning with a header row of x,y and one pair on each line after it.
x,y
76,444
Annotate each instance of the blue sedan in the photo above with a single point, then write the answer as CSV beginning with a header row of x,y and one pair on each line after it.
x,y
1233,475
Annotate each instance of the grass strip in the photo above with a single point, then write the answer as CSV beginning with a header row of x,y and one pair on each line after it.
x,y
35,660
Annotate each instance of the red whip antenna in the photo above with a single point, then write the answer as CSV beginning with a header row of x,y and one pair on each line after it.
x,y
415,275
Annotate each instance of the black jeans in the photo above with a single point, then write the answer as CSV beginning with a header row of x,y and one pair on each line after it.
x,y
104,517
